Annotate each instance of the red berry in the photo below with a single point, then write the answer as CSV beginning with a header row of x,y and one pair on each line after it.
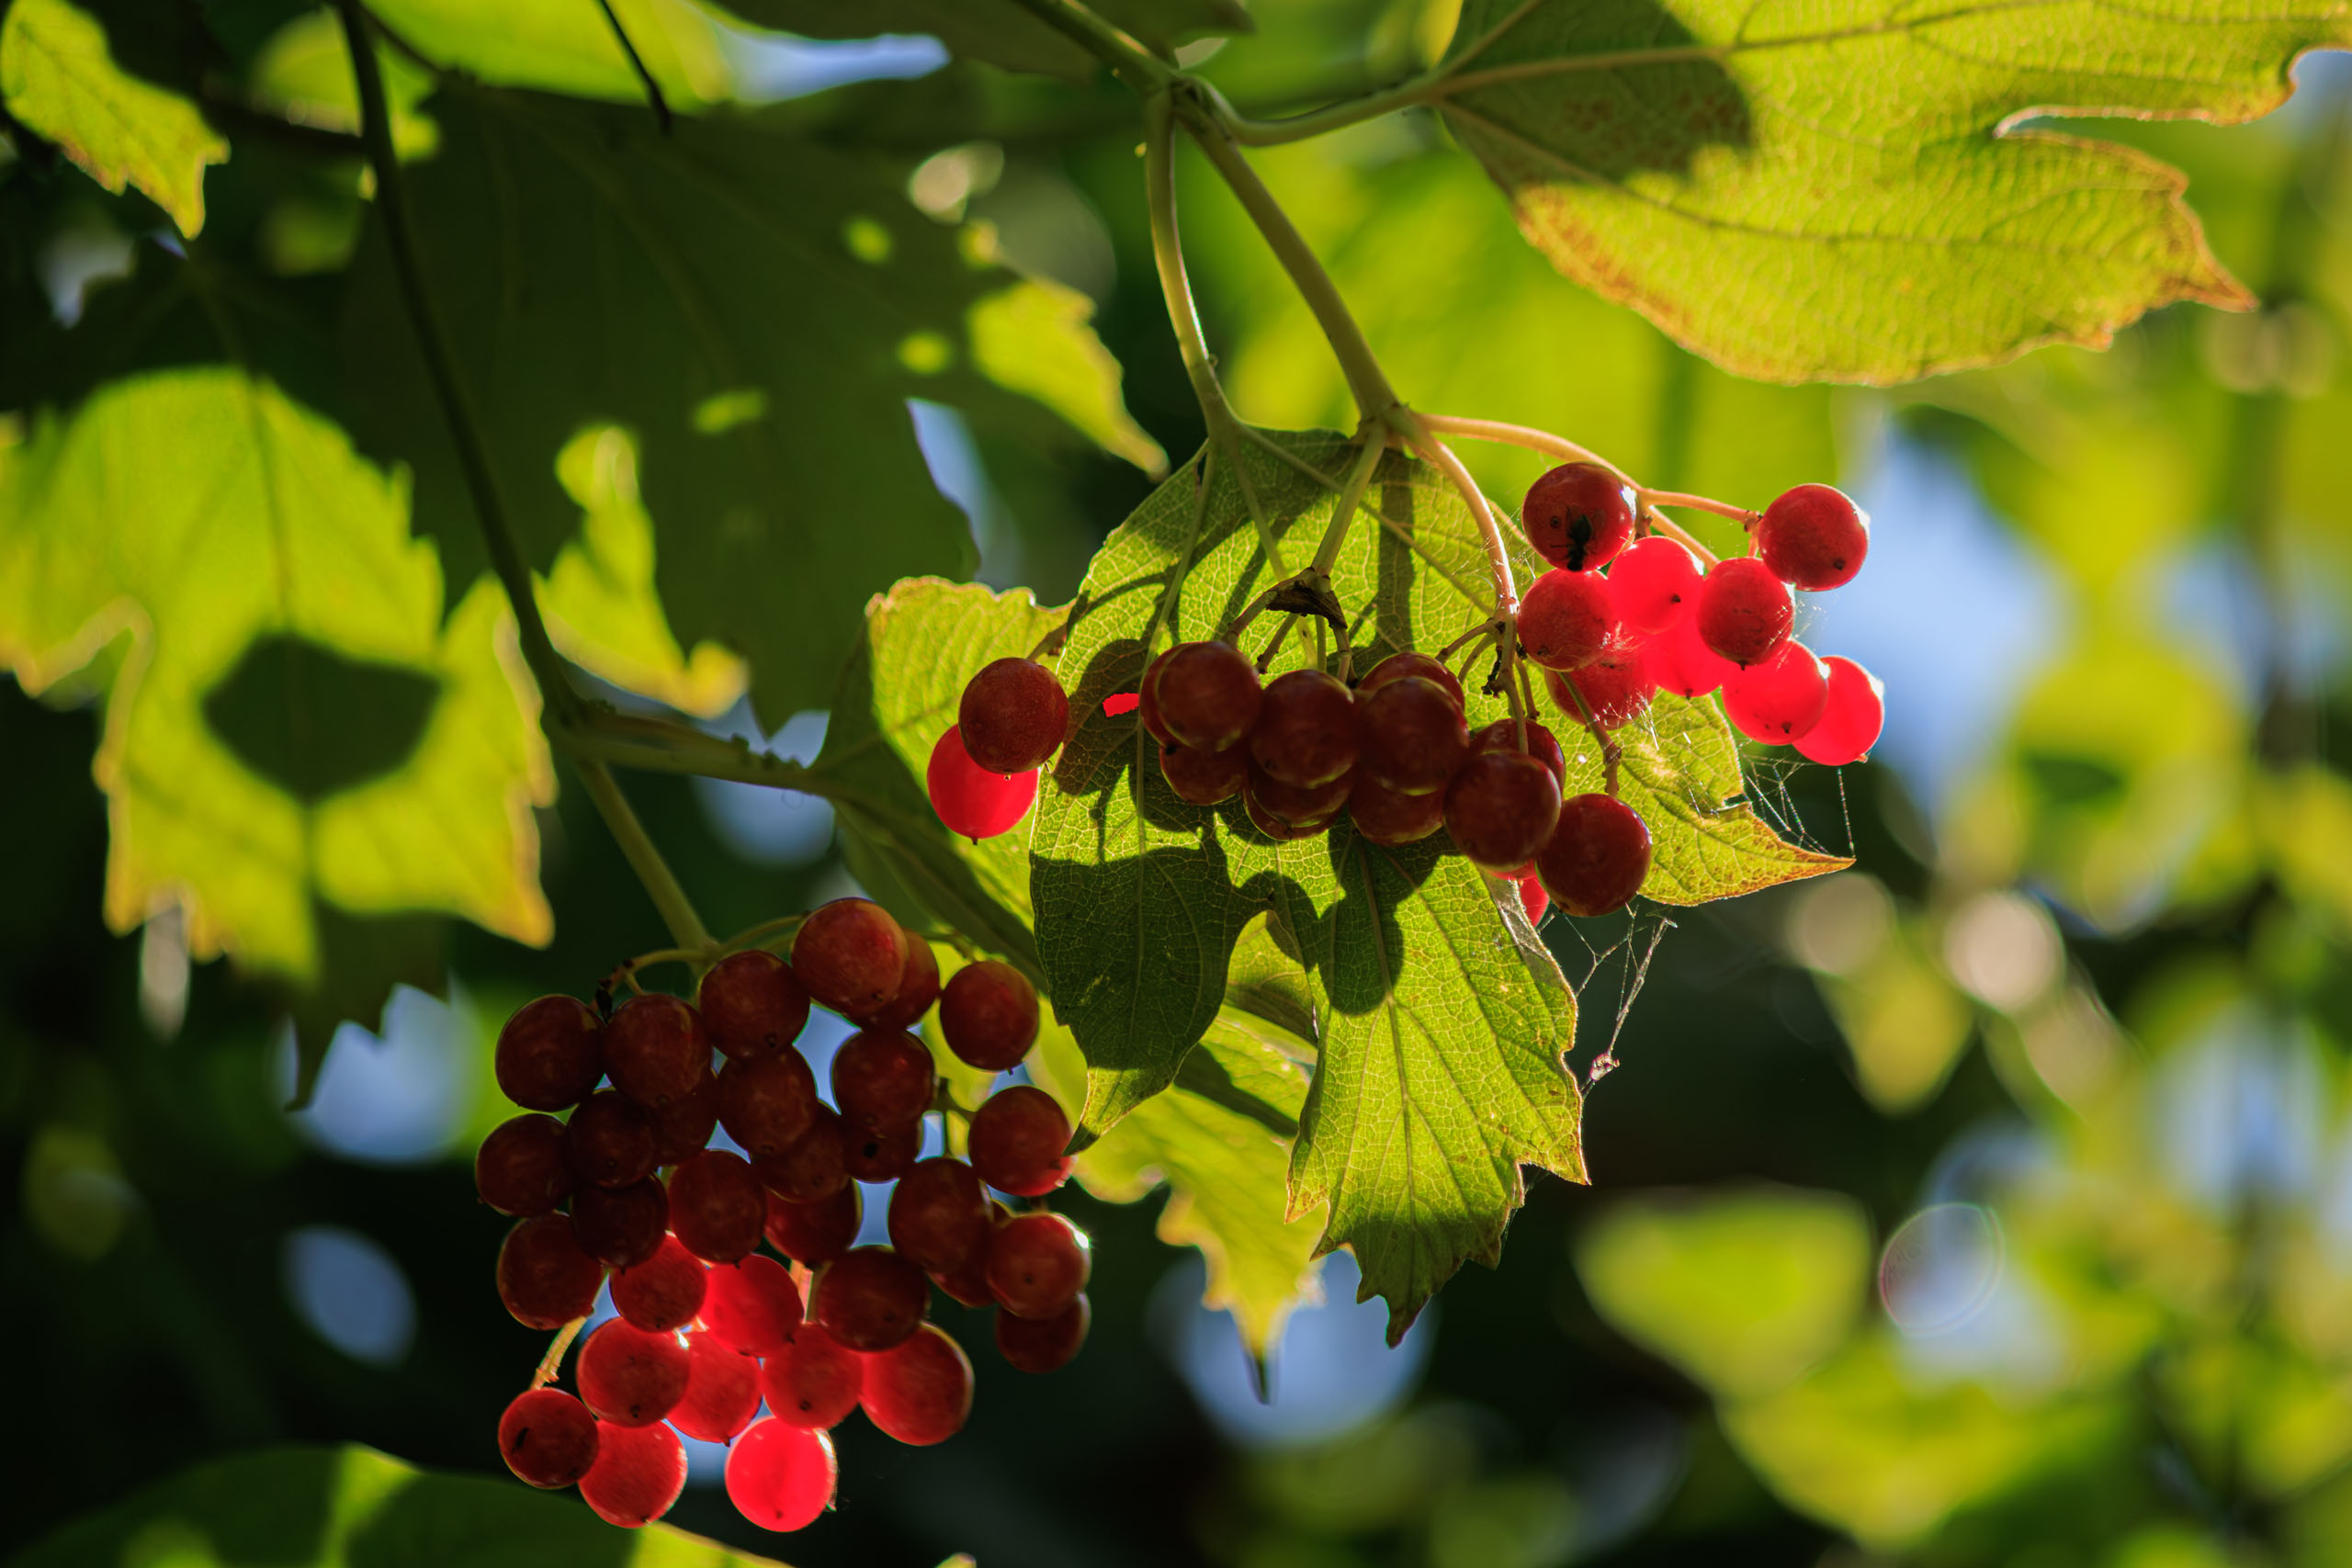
x,y
1812,537
918,988
989,1013
753,1003
882,1154
1653,583
1206,695
1037,1264
1852,718
682,1127
870,1297
1016,1141
1500,807
544,1277
1146,705
939,1215
549,1439
816,1165
1683,663
1413,736
1275,828
656,1049
620,1225
1044,1345
608,1141
1384,817
521,1169
1012,716
1399,666
1567,619
920,1391
1503,735
1307,732
767,1102
967,1285
1205,778
722,1390
1594,862
815,1233
550,1054
638,1473
1744,611
850,953
1299,808
752,1305
1780,699
815,1381
1617,687
1532,899
664,1292
1577,516
972,802
883,1079
629,1377
781,1477
716,1206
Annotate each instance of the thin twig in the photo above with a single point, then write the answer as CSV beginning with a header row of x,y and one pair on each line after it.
x,y
660,105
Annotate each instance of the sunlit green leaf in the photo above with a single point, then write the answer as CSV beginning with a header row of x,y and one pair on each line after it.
x,y
564,47
1001,32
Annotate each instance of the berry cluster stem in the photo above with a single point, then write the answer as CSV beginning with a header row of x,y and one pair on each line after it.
x,y
551,1364
1560,446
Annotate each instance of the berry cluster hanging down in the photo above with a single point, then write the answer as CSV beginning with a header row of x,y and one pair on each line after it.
x,y
710,1329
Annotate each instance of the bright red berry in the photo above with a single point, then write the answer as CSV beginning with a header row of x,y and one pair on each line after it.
x,y
608,1141
1012,716
664,1292
1205,778
1307,731
753,1004
1567,619
1597,857
767,1102
1044,1345
1413,736
1780,699
1398,666
1616,687
638,1473
521,1169
544,1277
815,1166
1500,807
1206,695
780,1477
1683,663
1532,899
548,1437
1744,611
656,1049
1851,719
1578,516
1812,537
752,1305
629,1377
815,1233
850,955
1039,1262
722,1390
1386,817
549,1053
920,1392
1016,1141
870,1297
620,1226
989,1013
918,988
939,1215
716,1206
971,801
1503,735
815,1381
883,1079
1654,583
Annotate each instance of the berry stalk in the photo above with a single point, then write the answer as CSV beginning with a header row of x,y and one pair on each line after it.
x,y
1559,447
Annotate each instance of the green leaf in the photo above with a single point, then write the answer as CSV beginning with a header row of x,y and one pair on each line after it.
x,y
1001,32
757,313
296,726
1035,339
1680,770
1838,193
59,77
923,642
354,1507
562,46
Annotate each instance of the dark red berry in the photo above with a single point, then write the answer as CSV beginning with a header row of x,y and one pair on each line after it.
x,y
815,1233
753,1004
1653,583
1296,806
1401,666
767,1102
1016,1141
656,1049
683,1127
608,1141
1744,611
1851,719
664,1292
1275,828
918,988
1037,1264
1616,687
1147,710
1208,695
1779,699
1503,735
722,1390
549,1053
939,1215
816,1165
549,1439
1578,516
716,1206
1597,857
1812,537
1047,1344
521,1169
620,1225
781,1477
1306,732
972,802
870,1297
850,955
638,1473
752,1305
1386,817
1012,716
883,1079
544,1277
629,1377
1683,662
882,1154
920,1392
813,1381
1500,807
1205,778
989,1013
1413,736
1567,619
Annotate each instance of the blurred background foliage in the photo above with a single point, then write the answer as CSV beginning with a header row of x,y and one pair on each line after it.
x,y
1988,1204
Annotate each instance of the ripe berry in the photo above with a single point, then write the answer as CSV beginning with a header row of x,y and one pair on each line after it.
x,y
1413,736
989,1013
1850,722
608,1141
815,1233
722,1390
1617,687
767,1102
1384,817
752,1305
850,953
815,1166
1012,716
1780,699
1398,666
1206,695
629,1377
973,802
638,1473
918,988
1683,662
716,1206
1577,516
939,1215
544,1277
751,1003
1594,862
682,1127
620,1226
1503,736
1812,537
656,1049
1037,1264
549,1053
664,1292
882,1154
1306,732
870,1297
815,1381
520,1168
781,1477
1654,583
1298,808
548,1437
1016,1141
920,1391
1500,807
1146,708
968,1286
883,1079
1532,899
1567,619
1044,1345
1205,778
1275,828
1744,611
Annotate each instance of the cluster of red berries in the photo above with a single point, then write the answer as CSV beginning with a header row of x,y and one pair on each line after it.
x,y
709,1328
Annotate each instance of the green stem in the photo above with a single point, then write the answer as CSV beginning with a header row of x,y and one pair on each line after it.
x,y
1406,424
660,104
1133,63
660,886
1375,436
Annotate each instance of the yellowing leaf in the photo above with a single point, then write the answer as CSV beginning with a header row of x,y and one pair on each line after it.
x,y
59,77
1034,338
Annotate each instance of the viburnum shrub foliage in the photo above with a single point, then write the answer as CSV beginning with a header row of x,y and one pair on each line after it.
x,y
463,354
